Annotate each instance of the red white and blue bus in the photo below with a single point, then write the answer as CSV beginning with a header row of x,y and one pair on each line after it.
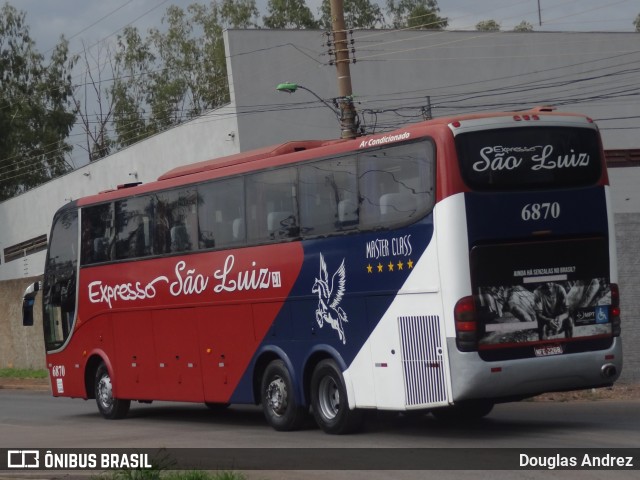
x,y
446,266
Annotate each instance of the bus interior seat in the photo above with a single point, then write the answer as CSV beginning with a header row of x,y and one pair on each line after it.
x,y
237,227
398,204
279,221
347,212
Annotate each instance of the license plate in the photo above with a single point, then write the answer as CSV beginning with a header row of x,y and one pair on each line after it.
x,y
547,350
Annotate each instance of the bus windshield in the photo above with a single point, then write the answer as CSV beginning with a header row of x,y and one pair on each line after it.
x,y
529,158
60,280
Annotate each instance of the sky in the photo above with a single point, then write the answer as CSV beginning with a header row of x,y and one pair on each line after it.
x,y
91,21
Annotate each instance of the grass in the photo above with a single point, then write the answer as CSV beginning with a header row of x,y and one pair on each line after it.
x,y
22,373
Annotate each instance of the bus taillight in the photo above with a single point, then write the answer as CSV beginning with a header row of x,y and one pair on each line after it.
x,y
615,310
466,325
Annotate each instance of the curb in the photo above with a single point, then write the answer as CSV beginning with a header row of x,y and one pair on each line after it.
x,y
33,384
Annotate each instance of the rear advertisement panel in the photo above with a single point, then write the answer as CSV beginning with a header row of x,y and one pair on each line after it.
x,y
543,294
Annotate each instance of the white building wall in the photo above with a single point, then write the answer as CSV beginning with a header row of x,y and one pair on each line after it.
x,y
461,72
626,194
29,215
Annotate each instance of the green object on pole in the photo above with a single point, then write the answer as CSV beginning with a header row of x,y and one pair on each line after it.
x,y
287,87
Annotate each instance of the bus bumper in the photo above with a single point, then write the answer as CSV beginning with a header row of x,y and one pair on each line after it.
x,y
512,379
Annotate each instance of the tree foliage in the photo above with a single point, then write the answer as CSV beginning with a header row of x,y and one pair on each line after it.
x,y
488,26
357,14
418,14
523,26
36,111
636,22
176,72
289,14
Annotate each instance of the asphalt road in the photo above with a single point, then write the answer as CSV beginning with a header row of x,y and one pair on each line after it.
x,y
37,420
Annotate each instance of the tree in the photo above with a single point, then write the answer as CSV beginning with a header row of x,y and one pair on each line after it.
x,y
523,26
239,13
89,92
130,91
488,26
636,22
357,14
36,111
176,72
289,14
417,14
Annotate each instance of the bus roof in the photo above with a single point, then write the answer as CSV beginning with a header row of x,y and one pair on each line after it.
x,y
297,146
245,157
267,156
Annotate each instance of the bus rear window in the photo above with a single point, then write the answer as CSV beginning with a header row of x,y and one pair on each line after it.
x,y
529,158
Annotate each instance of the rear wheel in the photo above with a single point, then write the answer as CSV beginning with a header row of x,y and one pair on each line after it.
x,y
111,408
278,398
464,411
329,401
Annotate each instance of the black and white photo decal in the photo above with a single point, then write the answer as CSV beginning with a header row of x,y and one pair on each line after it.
x,y
532,292
545,310
330,292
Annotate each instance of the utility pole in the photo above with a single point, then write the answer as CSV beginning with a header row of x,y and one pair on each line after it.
x,y
348,125
539,14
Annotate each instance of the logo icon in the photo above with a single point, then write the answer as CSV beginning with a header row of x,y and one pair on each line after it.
x,y
23,459
602,314
330,293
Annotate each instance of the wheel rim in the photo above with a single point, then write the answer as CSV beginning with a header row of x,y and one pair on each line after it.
x,y
105,392
276,396
328,398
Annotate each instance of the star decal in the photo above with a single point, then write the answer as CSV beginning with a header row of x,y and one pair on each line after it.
x,y
392,266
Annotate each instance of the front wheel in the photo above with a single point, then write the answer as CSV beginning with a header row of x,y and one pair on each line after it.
x,y
278,398
329,401
111,408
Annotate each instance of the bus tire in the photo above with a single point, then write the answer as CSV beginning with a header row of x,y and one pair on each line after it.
x,y
278,398
110,408
329,401
462,412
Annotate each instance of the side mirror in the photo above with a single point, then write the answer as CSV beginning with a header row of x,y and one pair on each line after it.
x,y
28,299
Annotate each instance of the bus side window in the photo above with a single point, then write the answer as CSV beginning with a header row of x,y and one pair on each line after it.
x,y
221,213
271,197
97,234
134,228
396,185
328,196
175,221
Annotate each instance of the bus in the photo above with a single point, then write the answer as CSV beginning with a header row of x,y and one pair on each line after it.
x,y
443,267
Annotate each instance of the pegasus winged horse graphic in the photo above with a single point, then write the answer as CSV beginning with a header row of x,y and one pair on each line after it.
x,y
329,298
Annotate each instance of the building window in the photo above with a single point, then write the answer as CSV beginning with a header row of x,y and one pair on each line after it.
x,y
19,250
